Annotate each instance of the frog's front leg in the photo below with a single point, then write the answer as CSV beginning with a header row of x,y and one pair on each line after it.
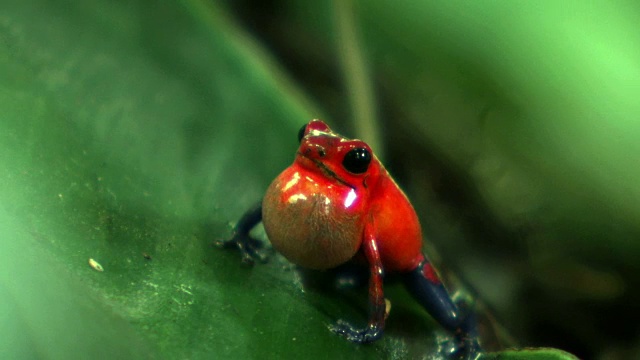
x,y
250,248
377,306
426,287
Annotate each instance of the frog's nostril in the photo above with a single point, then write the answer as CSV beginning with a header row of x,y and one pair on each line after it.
x,y
313,151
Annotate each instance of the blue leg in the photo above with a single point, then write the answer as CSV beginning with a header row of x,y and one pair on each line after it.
x,y
249,248
425,286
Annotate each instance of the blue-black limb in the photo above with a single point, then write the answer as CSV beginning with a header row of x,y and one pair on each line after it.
x,y
249,247
425,286
375,328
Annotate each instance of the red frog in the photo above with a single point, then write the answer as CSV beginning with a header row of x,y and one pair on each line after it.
x,y
337,204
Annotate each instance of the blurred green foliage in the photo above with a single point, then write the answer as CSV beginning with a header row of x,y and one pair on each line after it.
x,y
133,132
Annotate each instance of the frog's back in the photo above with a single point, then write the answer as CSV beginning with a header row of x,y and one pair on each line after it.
x,y
398,232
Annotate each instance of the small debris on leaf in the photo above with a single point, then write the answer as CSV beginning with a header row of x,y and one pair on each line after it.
x,y
146,256
95,265
387,307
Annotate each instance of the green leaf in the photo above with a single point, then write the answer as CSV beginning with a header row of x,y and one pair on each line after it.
x,y
529,354
127,131
132,133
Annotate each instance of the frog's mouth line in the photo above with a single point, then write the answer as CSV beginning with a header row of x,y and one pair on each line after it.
x,y
328,172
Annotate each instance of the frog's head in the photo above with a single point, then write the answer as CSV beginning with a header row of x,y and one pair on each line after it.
x,y
347,161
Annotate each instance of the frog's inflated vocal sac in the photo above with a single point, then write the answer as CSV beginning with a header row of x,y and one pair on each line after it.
x,y
337,203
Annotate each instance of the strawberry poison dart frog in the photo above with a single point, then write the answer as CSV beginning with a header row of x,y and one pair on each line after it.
x,y
337,203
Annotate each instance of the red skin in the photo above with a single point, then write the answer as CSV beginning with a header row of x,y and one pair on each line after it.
x,y
327,209
315,212
320,215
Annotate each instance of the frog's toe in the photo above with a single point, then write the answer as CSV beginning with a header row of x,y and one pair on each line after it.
x,y
251,250
356,335
462,349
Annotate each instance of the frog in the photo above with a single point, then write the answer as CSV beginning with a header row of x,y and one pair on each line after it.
x,y
337,204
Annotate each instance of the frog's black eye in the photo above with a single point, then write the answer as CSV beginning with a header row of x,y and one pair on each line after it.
x,y
301,132
357,160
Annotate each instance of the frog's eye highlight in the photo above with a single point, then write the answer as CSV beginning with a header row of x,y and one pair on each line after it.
x,y
301,132
357,160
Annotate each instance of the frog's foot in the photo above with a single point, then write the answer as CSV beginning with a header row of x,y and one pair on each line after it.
x,y
464,345
360,336
462,348
252,250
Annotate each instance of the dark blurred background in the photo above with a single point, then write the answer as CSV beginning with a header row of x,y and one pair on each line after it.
x,y
513,127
